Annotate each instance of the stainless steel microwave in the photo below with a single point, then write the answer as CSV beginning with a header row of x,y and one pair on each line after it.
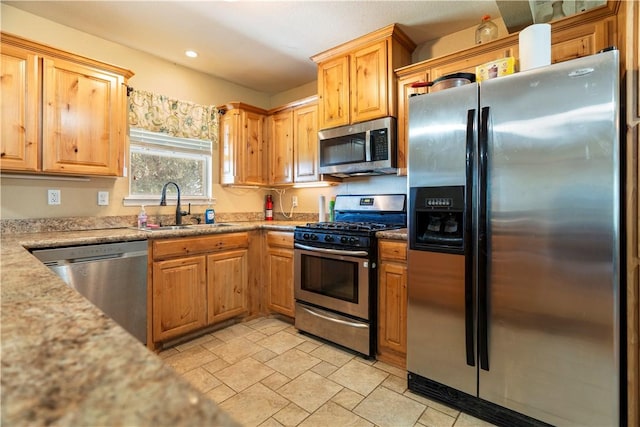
x,y
367,148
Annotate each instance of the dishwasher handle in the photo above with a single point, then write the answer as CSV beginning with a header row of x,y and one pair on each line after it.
x,y
107,256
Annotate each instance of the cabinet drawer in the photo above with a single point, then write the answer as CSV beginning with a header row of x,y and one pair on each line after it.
x,y
390,250
280,238
194,245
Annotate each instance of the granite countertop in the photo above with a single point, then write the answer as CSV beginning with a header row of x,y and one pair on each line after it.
x,y
399,234
66,363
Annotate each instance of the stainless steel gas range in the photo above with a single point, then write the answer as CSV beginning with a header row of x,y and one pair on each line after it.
x,y
336,271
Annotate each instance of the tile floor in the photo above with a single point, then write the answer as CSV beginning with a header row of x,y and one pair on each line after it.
x,y
265,373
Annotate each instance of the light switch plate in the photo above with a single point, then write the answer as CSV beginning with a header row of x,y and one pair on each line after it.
x,y
103,198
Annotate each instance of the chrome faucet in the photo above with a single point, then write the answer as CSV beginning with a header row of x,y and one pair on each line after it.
x,y
163,202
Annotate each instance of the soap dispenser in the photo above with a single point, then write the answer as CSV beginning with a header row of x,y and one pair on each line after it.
x,y
142,218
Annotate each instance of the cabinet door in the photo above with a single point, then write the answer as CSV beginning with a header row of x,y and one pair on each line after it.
x,y
252,156
369,83
467,63
229,135
305,131
405,90
19,109
179,297
333,81
279,272
281,148
582,40
392,303
83,120
227,284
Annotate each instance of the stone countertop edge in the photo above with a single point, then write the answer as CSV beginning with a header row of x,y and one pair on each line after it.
x,y
64,362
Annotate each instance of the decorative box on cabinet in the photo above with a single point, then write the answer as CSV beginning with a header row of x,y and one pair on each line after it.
x,y
356,80
392,302
70,115
243,155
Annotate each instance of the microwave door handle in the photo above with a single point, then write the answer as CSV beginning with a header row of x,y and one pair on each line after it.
x,y
367,146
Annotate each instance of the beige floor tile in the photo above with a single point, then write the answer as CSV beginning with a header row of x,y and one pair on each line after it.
x,y
196,341
402,373
271,422
254,405
324,369
233,332
190,358
432,403
234,350
243,374
280,342
168,352
270,326
399,385
434,418
264,355
375,408
332,355
466,420
293,363
255,336
212,343
201,379
215,365
331,415
309,391
275,380
348,399
221,393
359,377
291,415
308,346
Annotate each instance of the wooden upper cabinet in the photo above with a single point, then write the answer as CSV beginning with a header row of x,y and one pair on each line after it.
x,y
243,155
19,117
281,147
305,129
582,39
68,113
83,124
333,85
369,81
356,80
405,90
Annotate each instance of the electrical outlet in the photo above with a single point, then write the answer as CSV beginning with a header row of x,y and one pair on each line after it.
x,y
53,197
294,201
103,198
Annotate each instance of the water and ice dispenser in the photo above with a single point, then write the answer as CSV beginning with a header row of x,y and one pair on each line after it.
x,y
437,219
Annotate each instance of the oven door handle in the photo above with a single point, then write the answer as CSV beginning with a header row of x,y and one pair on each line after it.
x,y
331,251
332,319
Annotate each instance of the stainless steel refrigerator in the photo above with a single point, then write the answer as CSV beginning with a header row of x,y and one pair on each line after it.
x,y
514,300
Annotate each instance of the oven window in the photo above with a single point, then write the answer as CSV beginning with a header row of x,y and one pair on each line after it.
x,y
331,277
345,149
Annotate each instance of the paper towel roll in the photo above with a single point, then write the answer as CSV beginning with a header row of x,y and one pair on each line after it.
x,y
322,209
535,46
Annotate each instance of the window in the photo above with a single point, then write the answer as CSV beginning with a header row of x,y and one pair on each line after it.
x,y
157,158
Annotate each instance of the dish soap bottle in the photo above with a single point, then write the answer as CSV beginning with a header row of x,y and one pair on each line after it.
x,y
486,31
142,218
209,214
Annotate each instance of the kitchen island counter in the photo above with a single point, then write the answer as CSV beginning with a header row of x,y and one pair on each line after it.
x,y
65,362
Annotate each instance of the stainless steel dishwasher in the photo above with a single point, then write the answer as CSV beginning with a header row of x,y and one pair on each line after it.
x,y
113,276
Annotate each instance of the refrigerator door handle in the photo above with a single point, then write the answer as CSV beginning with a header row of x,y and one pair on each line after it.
x,y
483,326
468,249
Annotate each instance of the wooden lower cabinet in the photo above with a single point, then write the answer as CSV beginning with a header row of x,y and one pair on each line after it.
x,y
226,285
279,272
197,282
392,302
179,296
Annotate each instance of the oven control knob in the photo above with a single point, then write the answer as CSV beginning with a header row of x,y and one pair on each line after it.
x,y
328,238
344,239
305,236
314,237
353,240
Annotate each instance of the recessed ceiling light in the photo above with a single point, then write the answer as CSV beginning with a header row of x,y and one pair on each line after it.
x,y
191,53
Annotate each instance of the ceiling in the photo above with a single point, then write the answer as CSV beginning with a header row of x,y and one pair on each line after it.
x,y
262,45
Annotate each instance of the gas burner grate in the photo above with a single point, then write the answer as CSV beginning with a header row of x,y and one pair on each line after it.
x,y
348,226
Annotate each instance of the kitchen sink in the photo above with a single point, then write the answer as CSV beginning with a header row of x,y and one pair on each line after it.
x,y
165,228
217,224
